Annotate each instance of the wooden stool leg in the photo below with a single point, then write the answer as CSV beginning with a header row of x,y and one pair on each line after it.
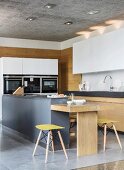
x,y
117,136
105,129
47,147
62,143
52,140
38,139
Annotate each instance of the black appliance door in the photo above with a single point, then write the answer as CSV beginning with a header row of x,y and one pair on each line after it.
x,y
49,85
11,84
31,85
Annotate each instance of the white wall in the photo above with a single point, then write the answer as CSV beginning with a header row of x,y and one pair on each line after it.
x,y
95,80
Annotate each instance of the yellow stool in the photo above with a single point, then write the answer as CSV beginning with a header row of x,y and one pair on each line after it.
x,y
104,123
49,128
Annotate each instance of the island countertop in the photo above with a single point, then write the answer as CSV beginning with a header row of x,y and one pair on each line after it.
x,y
87,107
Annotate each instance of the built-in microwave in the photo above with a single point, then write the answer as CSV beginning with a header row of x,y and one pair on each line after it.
x,y
49,84
11,83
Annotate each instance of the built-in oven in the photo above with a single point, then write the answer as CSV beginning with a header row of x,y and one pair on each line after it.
x,y
32,84
49,84
11,83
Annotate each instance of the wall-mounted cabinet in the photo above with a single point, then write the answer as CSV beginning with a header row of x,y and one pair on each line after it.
x,y
11,65
31,66
40,66
101,53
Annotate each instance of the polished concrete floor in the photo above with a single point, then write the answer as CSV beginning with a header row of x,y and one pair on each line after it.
x,y
16,154
117,165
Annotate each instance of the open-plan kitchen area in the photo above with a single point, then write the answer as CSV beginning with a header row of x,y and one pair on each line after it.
x,y
61,85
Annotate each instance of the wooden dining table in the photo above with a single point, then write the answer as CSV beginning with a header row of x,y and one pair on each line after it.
x,y
87,142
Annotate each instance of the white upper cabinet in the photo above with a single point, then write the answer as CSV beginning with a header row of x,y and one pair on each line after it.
x,y
101,53
31,66
49,66
11,65
40,66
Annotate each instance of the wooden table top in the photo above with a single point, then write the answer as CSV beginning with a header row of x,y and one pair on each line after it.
x,y
87,107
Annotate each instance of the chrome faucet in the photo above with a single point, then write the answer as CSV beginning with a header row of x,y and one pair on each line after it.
x,y
104,81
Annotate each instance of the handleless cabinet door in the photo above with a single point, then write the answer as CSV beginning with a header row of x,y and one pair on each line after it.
x,y
104,52
49,66
11,65
31,66
40,66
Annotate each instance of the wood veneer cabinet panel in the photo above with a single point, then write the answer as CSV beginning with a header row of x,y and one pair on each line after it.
x,y
87,129
114,111
110,108
102,99
71,81
29,52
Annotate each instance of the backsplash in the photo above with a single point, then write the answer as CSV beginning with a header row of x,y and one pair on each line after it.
x,y
96,80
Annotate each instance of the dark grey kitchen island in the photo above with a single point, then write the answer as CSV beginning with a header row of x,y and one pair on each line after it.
x,y
23,113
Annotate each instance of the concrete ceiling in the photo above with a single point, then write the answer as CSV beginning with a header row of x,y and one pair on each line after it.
x,y
49,23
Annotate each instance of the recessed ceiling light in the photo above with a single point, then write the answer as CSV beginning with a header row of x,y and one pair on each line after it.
x,y
31,18
68,23
50,6
93,12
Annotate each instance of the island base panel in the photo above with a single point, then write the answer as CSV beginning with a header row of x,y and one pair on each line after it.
x,y
86,133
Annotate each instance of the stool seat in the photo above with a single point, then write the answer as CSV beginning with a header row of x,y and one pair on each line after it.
x,y
49,127
106,121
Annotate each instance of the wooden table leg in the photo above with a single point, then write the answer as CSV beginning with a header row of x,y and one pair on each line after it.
x,y
86,133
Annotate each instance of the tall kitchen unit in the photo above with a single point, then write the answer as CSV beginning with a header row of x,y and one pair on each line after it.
x,y
25,66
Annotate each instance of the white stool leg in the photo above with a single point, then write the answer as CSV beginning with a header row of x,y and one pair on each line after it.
x,y
47,147
38,139
117,136
62,143
105,129
52,140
